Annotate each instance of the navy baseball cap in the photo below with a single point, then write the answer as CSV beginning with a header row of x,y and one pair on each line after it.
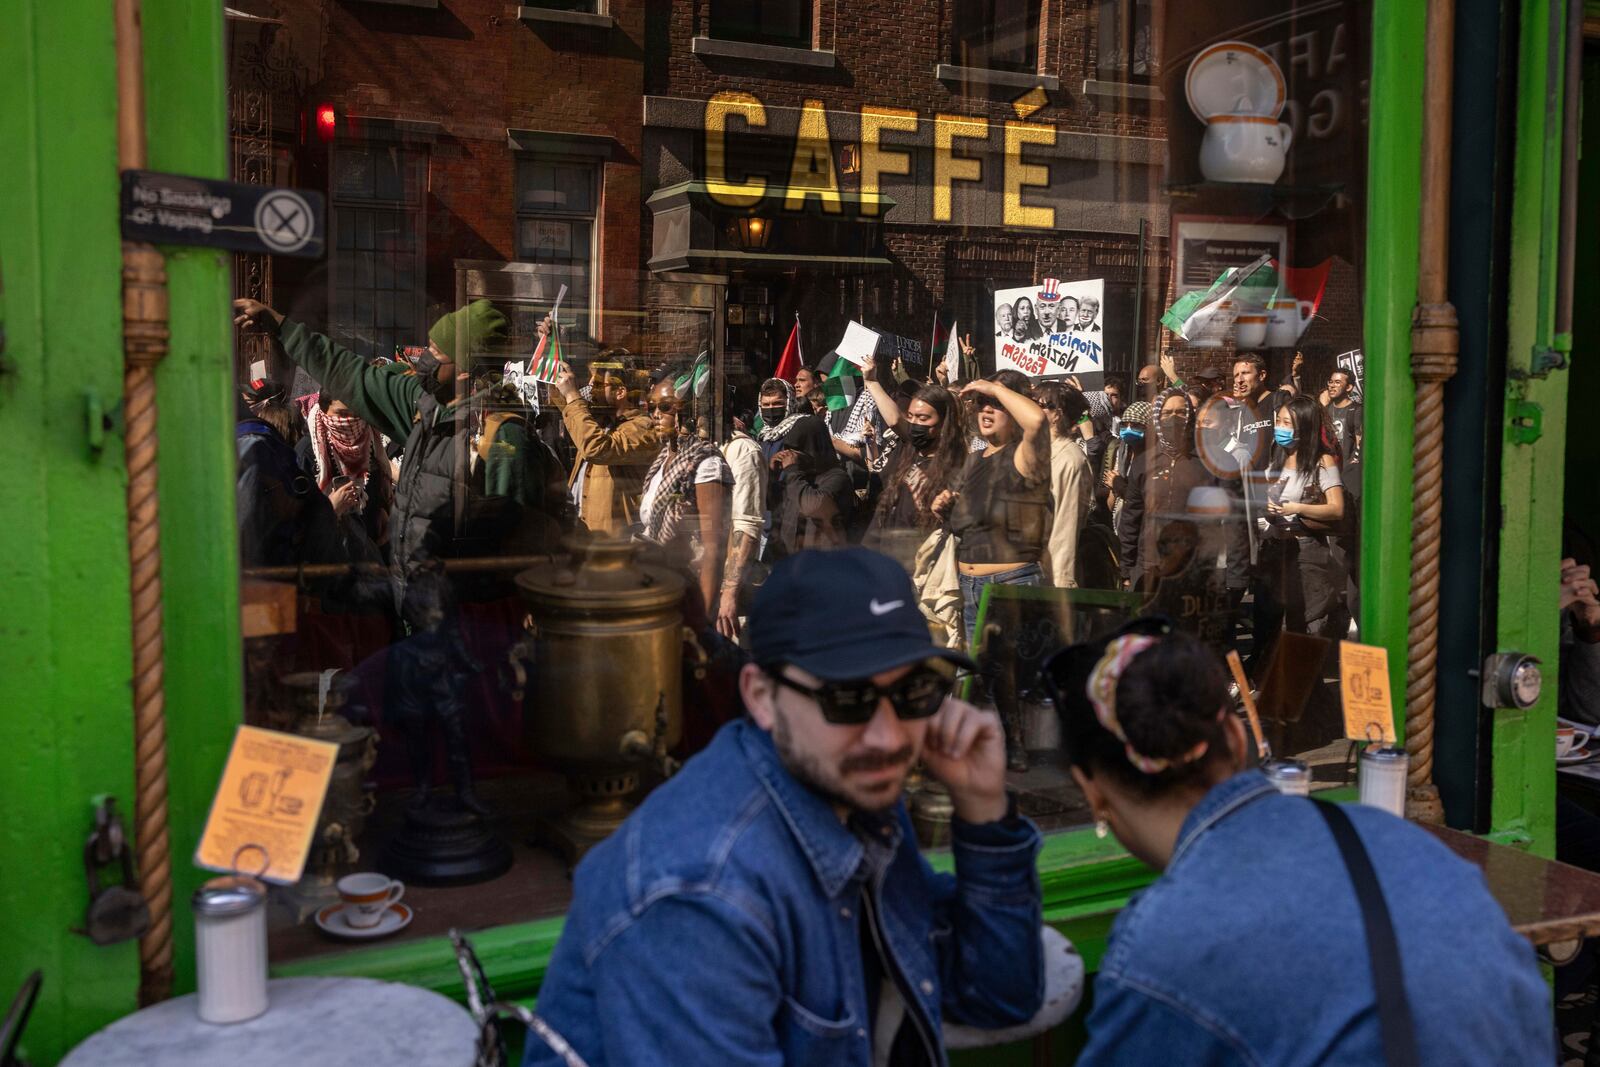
x,y
842,614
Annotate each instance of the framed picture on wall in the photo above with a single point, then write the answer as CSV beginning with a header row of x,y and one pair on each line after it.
x,y
1203,246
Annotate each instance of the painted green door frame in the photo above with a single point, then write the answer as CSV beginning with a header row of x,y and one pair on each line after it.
x,y
1532,470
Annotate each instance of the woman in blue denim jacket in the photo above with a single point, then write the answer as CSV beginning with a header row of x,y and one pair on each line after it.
x,y
1250,947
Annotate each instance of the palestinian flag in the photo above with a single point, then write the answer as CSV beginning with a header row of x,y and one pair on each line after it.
x,y
1193,311
842,385
697,378
547,358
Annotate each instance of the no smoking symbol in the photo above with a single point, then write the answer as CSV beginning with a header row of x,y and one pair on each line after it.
x,y
283,221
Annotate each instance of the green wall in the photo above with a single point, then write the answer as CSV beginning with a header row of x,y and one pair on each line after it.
x,y
66,717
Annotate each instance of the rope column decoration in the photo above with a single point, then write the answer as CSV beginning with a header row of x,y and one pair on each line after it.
x,y
145,336
1435,341
1435,345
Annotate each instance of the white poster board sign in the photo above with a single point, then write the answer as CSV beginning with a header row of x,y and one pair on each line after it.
x,y
1052,328
858,343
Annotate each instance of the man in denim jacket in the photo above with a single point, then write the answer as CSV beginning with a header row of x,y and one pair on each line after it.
x,y
768,904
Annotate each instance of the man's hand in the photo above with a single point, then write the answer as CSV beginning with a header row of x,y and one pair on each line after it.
x,y
966,750
1299,361
545,325
566,382
869,369
728,612
253,316
941,373
966,345
785,459
1581,595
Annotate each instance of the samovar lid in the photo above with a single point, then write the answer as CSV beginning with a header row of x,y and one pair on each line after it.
x,y
603,575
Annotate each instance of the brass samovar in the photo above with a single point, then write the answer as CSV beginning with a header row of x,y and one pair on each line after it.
x,y
605,685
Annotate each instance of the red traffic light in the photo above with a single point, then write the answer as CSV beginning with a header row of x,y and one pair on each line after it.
x,y
326,121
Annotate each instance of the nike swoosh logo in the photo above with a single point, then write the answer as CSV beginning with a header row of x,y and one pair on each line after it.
x,y
884,609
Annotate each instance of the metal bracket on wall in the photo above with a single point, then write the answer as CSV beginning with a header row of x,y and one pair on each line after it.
x,y
97,421
1526,423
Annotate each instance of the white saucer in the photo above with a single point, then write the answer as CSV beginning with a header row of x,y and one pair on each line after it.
x,y
1234,78
397,917
1577,755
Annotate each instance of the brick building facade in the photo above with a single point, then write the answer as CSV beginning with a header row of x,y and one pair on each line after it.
x,y
476,149
480,148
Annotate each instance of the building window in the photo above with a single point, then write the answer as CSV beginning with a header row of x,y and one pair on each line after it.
x,y
786,23
1127,42
556,202
378,258
588,7
996,35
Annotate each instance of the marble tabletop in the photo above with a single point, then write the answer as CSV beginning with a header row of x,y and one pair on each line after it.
x,y
310,1022
1063,989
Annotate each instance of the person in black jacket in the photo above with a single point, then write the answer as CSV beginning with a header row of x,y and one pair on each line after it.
x,y
810,497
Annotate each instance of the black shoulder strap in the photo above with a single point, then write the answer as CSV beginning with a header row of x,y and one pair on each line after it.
x,y
1394,1010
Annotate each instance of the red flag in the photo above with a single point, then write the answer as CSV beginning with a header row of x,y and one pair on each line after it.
x,y
789,362
1306,283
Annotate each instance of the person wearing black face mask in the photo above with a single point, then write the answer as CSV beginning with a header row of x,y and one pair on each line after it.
x,y
1158,487
932,448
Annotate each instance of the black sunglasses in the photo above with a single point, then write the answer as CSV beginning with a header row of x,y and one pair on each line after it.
x,y
669,406
919,695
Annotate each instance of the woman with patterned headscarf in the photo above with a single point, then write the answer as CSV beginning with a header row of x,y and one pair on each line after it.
x,y
1158,484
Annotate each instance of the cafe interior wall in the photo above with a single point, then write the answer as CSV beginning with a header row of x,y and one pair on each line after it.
x,y
65,653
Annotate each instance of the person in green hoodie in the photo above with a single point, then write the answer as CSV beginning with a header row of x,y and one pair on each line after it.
x,y
436,514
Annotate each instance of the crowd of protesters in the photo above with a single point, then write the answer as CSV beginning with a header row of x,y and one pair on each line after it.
x,y
1232,511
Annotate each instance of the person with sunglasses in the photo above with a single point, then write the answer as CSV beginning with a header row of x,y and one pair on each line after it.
x,y
686,504
1254,945
768,904
615,441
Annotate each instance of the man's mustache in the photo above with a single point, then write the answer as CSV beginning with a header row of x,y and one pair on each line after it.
x,y
876,761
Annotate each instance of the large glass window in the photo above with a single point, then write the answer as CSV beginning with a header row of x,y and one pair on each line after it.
x,y
378,248
512,610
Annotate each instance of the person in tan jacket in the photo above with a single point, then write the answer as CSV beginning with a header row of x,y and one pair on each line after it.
x,y
1071,480
615,441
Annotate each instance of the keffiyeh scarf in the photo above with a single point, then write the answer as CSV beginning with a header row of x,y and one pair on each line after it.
x,y
677,465
342,444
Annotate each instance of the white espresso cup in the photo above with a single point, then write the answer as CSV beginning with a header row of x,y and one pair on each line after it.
x,y
367,896
1244,148
1287,319
1250,331
1569,739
